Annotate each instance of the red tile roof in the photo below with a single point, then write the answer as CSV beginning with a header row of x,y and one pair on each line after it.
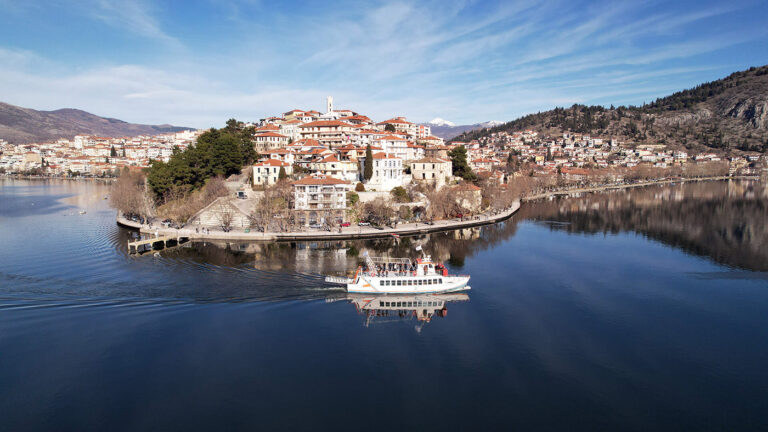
x,y
320,123
272,162
320,180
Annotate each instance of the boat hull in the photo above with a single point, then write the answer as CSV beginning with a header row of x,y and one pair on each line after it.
x,y
372,285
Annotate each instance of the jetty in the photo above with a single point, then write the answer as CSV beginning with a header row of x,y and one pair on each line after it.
x,y
155,243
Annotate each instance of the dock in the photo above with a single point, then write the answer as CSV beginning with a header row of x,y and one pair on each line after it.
x,y
155,243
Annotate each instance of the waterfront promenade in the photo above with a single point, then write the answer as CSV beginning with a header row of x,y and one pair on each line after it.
x,y
347,233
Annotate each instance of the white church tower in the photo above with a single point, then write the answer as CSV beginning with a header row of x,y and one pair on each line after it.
x,y
329,104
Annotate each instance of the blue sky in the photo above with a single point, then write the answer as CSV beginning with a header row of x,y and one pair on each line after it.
x,y
198,63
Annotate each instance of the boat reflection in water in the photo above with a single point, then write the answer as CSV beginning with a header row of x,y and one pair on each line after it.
x,y
404,307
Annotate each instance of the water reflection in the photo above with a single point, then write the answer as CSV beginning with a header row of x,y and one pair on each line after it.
x,y
381,309
723,221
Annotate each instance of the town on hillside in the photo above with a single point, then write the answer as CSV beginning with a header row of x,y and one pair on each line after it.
x,y
326,170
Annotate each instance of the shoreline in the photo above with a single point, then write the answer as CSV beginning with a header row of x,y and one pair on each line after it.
x,y
349,233
603,188
353,233
633,185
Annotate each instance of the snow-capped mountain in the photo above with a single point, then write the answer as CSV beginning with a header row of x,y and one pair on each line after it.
x,y
491,123
447,130
437,121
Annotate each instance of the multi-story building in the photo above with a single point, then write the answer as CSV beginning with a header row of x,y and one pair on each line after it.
x,y
432,170
267,172
328,132
269,141
387,172
401,125
320,199
394,145
333,167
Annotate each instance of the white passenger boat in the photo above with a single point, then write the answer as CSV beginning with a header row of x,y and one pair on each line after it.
x,y
381,275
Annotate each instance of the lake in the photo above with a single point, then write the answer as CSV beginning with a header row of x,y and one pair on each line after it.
x,y
641,309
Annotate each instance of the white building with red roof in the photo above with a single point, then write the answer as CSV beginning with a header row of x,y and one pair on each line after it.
x,y
320,199
332,166
267,172
401,125
387,172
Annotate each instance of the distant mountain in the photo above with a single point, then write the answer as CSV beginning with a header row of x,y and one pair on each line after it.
x,y
729,113
437,121
447,130
24,125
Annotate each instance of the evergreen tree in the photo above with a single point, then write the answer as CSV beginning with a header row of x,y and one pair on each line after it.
x,y
282,174
112,152
368,167
460,166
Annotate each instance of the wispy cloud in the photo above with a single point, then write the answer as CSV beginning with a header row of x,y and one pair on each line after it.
x,y
132,16
467,61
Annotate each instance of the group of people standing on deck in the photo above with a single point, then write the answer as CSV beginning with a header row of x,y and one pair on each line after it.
x,y
398,269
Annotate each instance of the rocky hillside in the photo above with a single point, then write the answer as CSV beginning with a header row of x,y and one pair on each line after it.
x,y
23,125
727,114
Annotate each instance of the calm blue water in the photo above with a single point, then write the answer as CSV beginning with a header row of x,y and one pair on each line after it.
x,y
645,310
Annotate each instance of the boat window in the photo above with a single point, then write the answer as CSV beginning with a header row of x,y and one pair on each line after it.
x,y
381,282
399,283
398,304
436,282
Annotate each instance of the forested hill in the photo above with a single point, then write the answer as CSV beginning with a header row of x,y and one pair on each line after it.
x,y
730,113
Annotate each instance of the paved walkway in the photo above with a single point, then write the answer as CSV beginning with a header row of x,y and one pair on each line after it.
x,y
352,232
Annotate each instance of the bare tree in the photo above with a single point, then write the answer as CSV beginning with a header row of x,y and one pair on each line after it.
x,y
226,216
180,205
378,211
272,209
128,194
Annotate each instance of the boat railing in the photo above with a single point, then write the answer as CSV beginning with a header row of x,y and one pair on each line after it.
x,y
385,260
389,273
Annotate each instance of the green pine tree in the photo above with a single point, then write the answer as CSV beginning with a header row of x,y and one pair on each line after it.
x,y
368,167
460,166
